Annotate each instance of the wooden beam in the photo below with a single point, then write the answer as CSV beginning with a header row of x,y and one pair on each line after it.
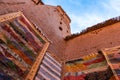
x,y
104,53
35,66
31,74
9,16
41,54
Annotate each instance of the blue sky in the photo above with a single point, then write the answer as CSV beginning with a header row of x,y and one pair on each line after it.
x,y
85,13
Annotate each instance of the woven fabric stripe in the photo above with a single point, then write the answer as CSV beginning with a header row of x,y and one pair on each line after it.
x,y
14,41
44,74
47,73
27,31
50,73
49,69
53,66
25,22
54,60
50,62
18,24
48,65
39,77
28,36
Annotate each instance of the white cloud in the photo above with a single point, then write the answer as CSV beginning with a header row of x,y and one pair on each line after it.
x,y
107,9
81,22
112,7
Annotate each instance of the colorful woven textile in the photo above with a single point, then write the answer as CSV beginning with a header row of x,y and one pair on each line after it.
x,y
113,57
19,47
105,74
87,66
50,69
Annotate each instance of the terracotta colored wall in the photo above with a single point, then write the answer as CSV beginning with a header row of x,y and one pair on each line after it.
x,y
46,17
49,19
93,41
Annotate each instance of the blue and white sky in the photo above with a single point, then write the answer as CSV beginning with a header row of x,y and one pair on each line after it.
x,y
85,13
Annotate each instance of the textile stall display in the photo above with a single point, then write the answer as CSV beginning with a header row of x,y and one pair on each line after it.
x,y
24,56
112,55
90,67
20,47
50,69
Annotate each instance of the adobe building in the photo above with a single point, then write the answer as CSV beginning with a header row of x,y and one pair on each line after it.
x,y
62,55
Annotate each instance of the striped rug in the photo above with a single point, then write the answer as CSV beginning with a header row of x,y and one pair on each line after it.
x,y
50,69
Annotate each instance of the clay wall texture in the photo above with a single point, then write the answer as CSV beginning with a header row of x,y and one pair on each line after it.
x,y
55,26
93,41
47,18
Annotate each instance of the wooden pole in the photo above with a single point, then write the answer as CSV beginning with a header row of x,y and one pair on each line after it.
x,y
116,77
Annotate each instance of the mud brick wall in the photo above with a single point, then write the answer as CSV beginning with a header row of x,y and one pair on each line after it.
x,y
93,41
47,18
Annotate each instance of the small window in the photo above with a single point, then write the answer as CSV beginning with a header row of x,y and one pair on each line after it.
x,y
60,22
67,31
37,2
55,10
60,28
